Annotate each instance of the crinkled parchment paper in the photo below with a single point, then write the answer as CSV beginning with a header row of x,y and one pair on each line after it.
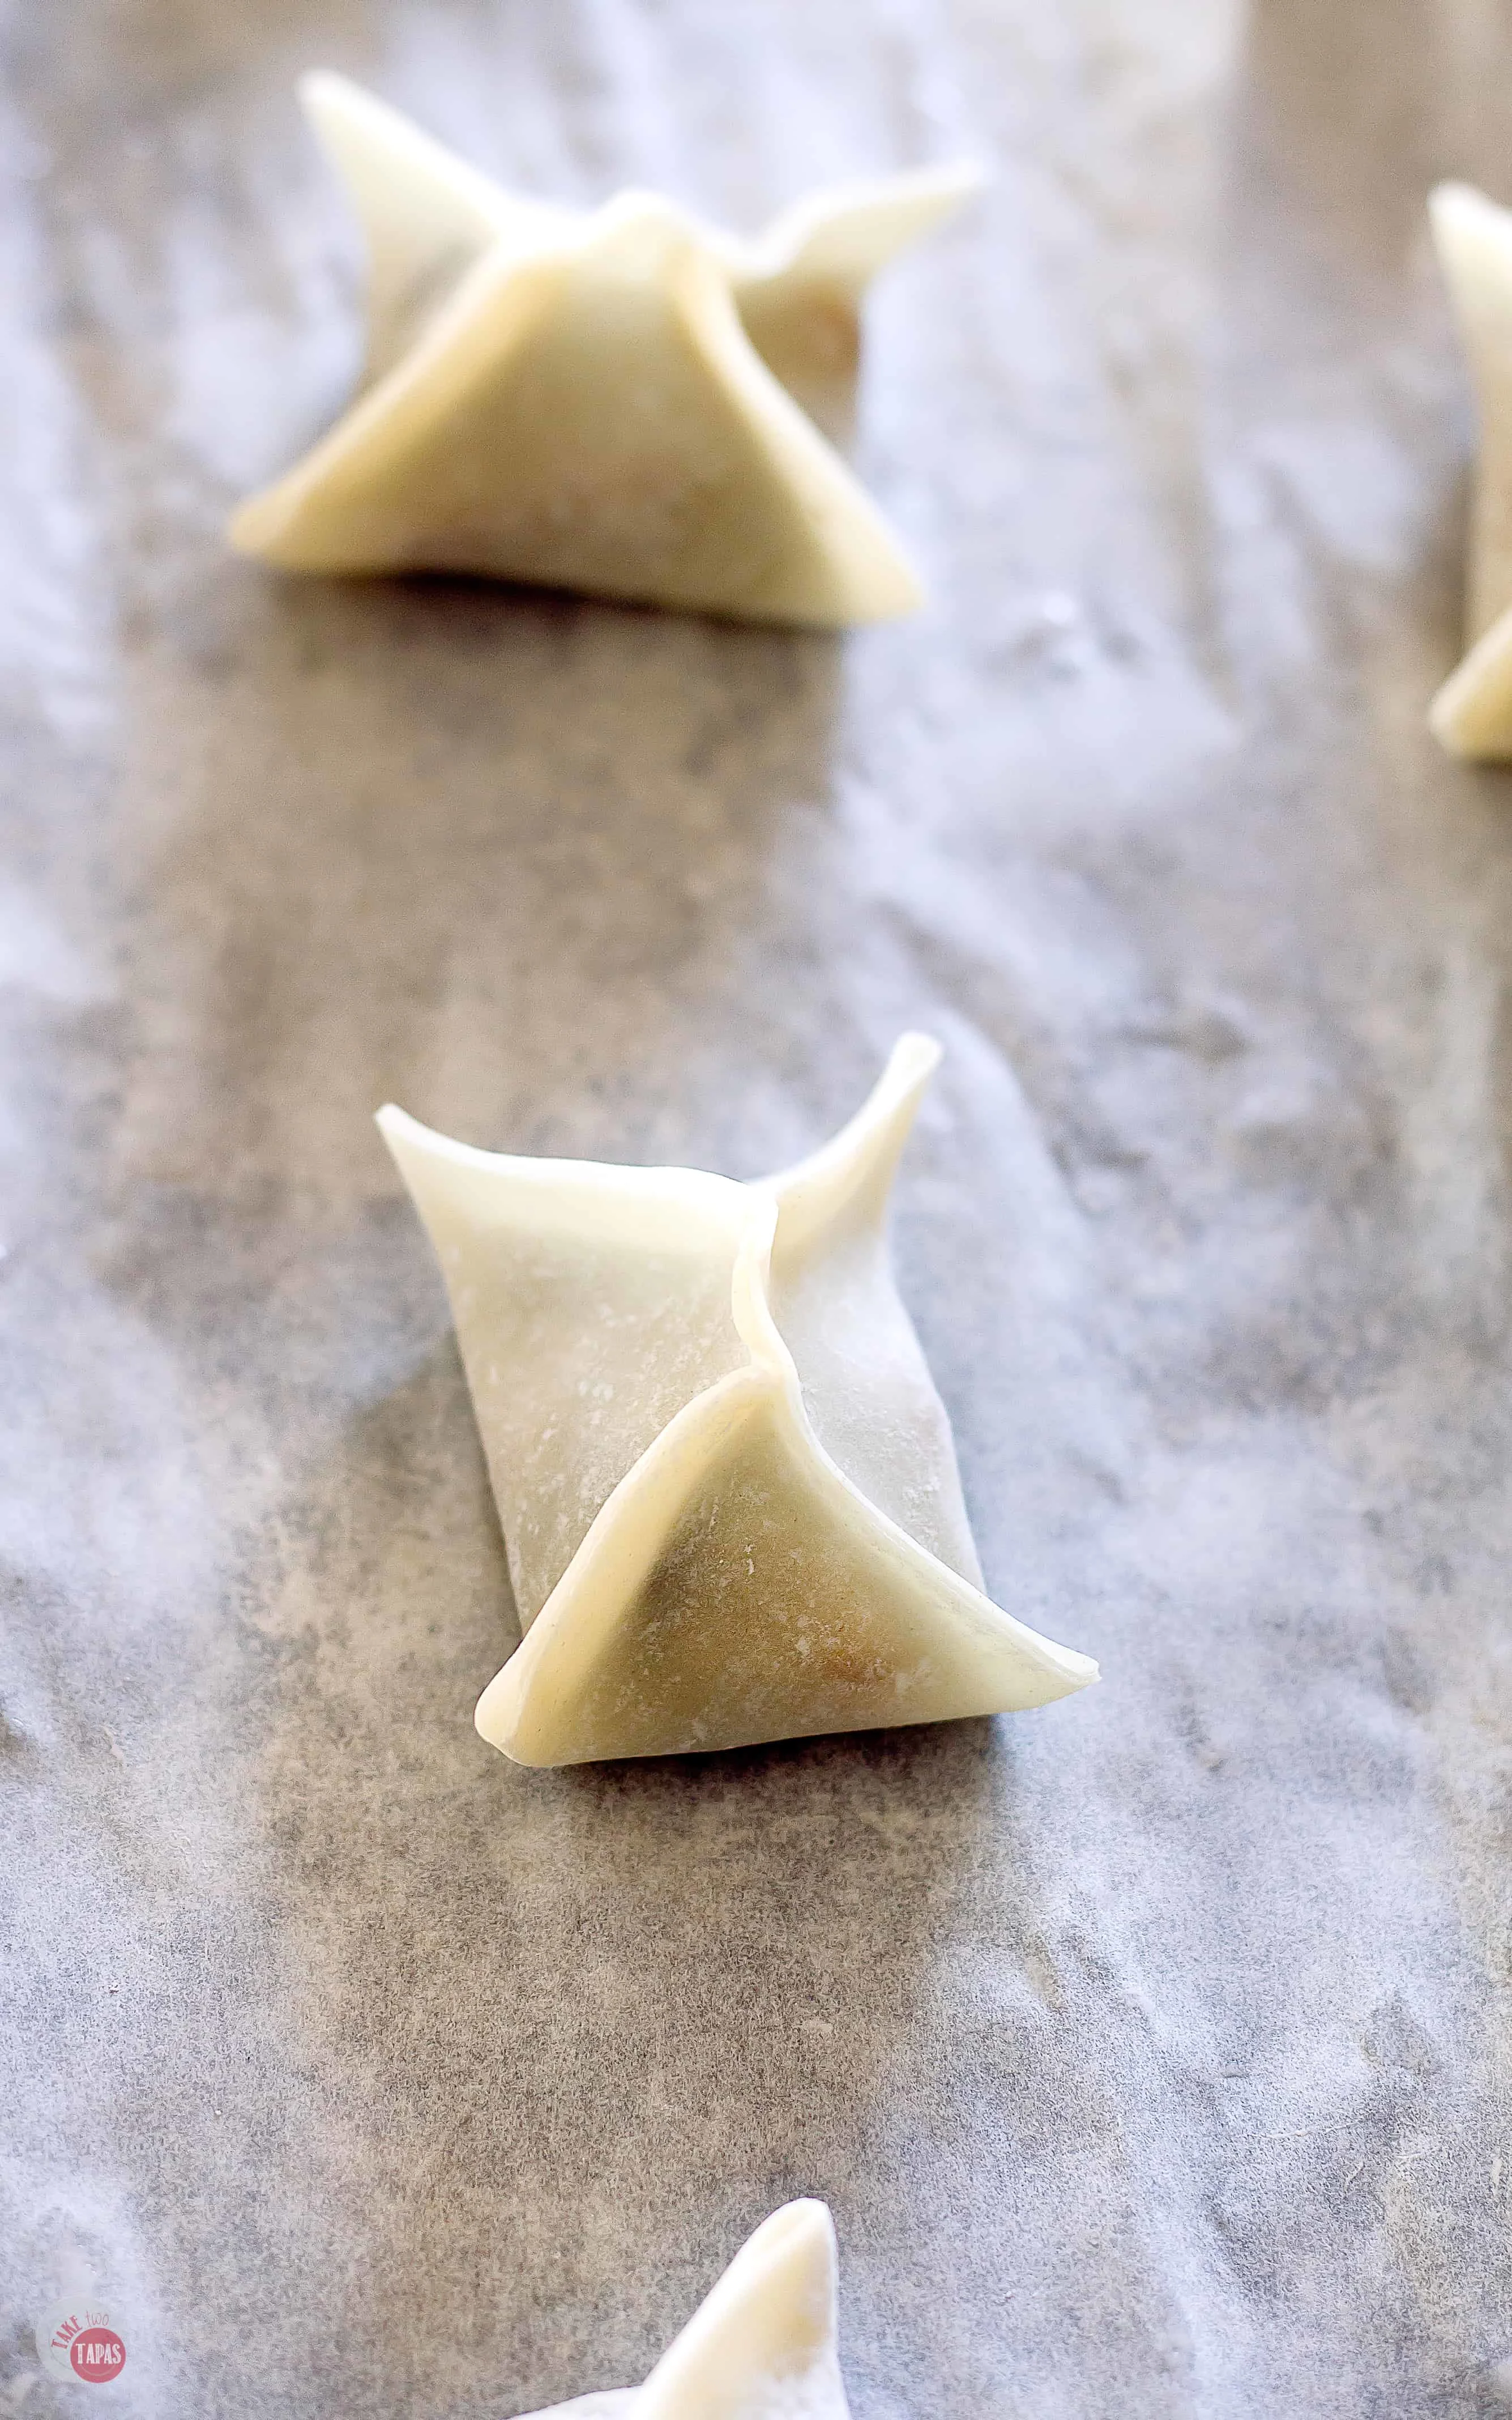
x,y
1152,2050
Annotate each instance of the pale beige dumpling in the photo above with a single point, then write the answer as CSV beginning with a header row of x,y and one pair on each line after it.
x,y
1472,713
761,2345
597,401
728,1487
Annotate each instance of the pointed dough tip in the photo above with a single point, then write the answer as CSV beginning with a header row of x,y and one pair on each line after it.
x,y
391,1120
1470,715
913,1050
889,593
251,529
321,89
1462,733
1442,719
1463,220
260,526
1453,194
762,2340
408,1137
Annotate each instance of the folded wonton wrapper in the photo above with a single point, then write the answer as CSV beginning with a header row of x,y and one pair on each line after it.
x,y
1472,713
761,2347
590,401
726,1484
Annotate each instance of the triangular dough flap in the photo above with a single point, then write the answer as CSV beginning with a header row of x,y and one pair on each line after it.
x,y
426,217
799,288
781,1605
843,236
762,2347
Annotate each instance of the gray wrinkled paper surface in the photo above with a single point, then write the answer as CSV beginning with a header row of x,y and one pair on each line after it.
x,y
1152,2050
